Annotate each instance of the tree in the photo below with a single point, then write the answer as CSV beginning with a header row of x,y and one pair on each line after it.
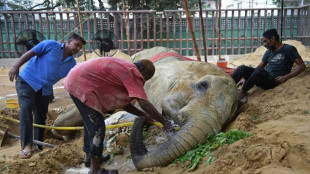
x,y
49,5
158,5
290,3
17,5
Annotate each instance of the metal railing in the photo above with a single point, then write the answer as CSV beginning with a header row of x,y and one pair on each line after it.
x,y
241,29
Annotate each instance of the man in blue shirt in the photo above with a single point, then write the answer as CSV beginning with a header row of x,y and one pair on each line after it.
x,y
48,62
274,68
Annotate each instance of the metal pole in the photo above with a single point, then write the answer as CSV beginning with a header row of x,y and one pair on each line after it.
x,y
191,28
203,31
81,27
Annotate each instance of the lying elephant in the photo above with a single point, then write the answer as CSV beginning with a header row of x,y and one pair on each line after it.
x,y
198,96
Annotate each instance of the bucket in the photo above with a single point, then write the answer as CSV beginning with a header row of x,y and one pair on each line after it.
x,y
12,103
222,63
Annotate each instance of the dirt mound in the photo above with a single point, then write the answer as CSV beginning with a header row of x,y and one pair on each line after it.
x,y
254,58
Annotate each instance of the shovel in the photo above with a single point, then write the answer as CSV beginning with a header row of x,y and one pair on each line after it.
x,y
6,134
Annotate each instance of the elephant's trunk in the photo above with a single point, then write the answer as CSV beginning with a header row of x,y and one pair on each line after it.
x,y
188,137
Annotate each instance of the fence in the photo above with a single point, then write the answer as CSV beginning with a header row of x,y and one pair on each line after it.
x,y
241,29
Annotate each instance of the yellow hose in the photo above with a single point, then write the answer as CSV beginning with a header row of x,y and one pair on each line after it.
x,y
76,128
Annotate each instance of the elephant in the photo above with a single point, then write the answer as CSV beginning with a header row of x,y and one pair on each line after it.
x,y
199,96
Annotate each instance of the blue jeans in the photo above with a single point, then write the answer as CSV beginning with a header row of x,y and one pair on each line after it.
x,y
31,101
94,129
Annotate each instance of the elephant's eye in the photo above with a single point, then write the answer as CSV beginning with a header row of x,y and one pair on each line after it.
x,y
202,86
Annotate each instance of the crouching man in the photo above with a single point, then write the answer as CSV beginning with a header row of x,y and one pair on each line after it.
x,y
105,84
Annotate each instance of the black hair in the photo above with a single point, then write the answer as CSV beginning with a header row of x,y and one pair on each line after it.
x,y
75,36
270,33
139,65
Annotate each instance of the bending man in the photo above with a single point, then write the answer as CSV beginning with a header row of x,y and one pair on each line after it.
x,y
105,84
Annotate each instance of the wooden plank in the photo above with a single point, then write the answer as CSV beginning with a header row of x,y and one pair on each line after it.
x,y
115,27
232,31
1,43
285,23
122,32
48,26
213,31
154,29
252,29
226,30
279,22
207,34
88,33
61,28
181,30
161,29
14,34
258,28
148,31
272,19
174,30
6,27
265,20
135,32
291,23
245,31
33,21
167,29
141,31
55,28
187,39
68,24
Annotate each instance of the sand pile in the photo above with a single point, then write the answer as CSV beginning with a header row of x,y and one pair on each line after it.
x,y
254,58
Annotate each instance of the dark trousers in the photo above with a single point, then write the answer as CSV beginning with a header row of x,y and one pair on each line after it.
x,y
31,101
94,129
254,76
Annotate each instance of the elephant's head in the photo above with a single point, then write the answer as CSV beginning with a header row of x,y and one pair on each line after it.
x,y
198,96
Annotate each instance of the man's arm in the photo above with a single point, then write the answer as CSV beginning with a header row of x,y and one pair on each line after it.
x,y
151,111
261,64
133,110
300,68
23,59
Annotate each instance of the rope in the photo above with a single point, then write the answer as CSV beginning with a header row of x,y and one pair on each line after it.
x,y
76,128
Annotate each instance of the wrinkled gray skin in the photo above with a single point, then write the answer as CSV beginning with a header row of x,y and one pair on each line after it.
x,y
197,95
70,117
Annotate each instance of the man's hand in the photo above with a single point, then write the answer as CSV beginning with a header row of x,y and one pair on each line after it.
x,y
168,125
14,71
281,79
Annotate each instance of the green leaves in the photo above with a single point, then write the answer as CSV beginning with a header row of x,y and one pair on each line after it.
x,y
193,157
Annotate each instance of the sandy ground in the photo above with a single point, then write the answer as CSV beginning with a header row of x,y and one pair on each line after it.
x,y
279,119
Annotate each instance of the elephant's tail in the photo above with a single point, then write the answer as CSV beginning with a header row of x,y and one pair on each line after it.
x,y
188,137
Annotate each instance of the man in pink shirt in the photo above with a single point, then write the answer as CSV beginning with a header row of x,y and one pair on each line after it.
x,y
105,84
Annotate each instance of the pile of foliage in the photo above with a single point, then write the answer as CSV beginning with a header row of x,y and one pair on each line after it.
x,y
193,157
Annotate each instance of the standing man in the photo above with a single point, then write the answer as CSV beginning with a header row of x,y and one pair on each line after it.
x,y
274,68
106,84
49,61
